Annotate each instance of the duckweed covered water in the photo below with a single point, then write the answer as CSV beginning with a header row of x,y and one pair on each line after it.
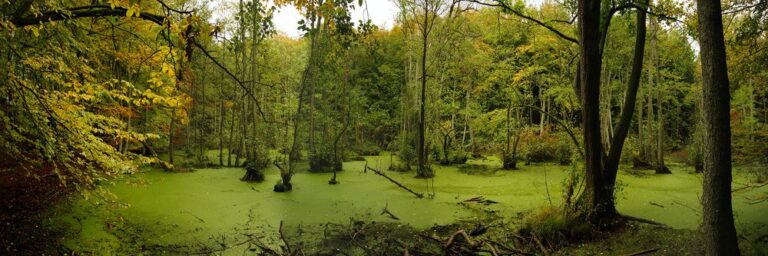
x,y
166,210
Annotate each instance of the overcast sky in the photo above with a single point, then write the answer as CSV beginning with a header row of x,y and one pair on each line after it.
x,y
382,13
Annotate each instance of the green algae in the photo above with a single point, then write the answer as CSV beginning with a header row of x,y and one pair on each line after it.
x,y
161,211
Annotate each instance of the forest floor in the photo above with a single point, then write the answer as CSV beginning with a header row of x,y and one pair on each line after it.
x,y
209,211
23,204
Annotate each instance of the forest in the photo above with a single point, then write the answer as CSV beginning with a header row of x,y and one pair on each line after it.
x,y
466,127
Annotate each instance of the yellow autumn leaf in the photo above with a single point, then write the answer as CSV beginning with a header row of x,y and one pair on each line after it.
x,y
130,11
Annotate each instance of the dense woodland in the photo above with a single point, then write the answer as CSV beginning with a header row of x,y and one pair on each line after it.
x,y
92,91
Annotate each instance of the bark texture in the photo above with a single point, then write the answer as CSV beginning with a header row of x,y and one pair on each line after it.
x,y
718,227
595,198
630,99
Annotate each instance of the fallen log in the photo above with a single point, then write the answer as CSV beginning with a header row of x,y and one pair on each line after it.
x,y
419,195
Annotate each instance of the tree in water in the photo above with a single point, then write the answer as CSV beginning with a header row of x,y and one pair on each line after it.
x,y
601,168
718,226
424,13
255,25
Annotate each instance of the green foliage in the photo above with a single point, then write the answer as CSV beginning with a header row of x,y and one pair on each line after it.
x,y
324,163
547,147
406,149
454,156
254,171
71,102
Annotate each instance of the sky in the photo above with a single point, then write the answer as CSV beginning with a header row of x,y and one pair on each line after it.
x,y
382,13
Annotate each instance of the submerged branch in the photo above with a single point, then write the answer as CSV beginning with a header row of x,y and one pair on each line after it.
x,y
419,195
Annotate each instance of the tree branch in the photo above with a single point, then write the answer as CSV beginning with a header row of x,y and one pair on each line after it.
x,y
234,77
83,12
506,7
108,11
174,10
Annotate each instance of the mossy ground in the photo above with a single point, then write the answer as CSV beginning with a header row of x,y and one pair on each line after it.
x,y
180,213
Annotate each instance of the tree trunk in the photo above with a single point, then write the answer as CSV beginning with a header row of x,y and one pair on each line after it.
x,y
655,77
170,139
543,104
423,170
718,227
231,138
627,110
243,136
596,197
222,115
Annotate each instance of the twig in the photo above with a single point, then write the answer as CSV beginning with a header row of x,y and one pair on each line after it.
x,y
643,252
494,251
514,250
641,220
282,237
541,246
432,238
387,212
749,186
174,10
198,218
461,232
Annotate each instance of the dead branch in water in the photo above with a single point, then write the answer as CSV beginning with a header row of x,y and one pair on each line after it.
x,y
419,195
387,212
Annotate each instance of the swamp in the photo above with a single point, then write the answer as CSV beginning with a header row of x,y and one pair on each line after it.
x,y
384,127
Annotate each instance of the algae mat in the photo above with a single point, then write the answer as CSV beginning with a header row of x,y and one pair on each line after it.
x,y
157,211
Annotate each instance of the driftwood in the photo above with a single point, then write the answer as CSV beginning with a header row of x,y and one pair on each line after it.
x,y
419,195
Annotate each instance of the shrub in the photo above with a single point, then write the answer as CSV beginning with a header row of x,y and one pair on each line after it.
x,y
254,170
324,163
455,157
630,151
509,162
406,151
548,147
750,146
563,150
477,169
353,156
552,226
367,149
